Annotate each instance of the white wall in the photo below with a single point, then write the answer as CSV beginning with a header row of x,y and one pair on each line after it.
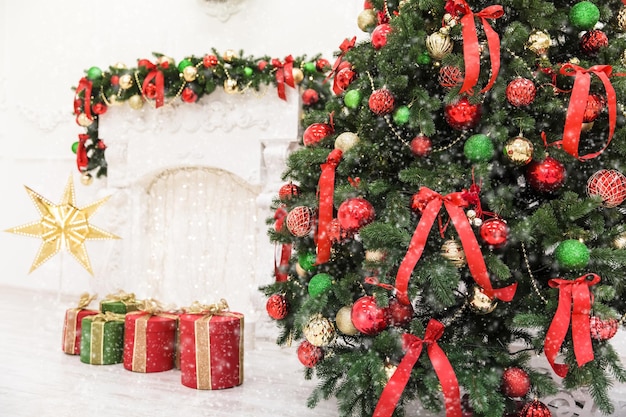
x,y
44,49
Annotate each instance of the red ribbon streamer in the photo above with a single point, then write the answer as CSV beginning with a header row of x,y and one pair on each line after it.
x,y
471,49
85,85
81,153
281,266
574,292
284,75
326,190
578,103
449,383
156,75
454,204
345,46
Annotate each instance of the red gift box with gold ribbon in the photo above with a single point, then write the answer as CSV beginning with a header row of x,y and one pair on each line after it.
x,y
72,324
211,347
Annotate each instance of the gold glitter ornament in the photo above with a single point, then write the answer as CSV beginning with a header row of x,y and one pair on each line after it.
x,y
452,250
229,55
480,302
319,331
298,75
83,120
390,369
346,141
343,320
366,20
439,45
620,241
621,19
119,65
230,86
190,73
519,150
539,42
135,102
126,81
376,255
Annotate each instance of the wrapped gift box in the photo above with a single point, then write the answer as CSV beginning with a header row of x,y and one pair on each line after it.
x,y
149,341
102,339
72,324
211,349
119,303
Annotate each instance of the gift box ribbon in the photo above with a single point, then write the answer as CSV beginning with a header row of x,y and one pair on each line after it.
x,y
71,322
571,293
121,296
447,378
284,75
98,322
326,191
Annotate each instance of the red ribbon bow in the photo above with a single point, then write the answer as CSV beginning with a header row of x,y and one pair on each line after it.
x,y
85,85
449,384
326,190
345,46
578,103
284,75
159,81
574,292
471,49
454,203
81,153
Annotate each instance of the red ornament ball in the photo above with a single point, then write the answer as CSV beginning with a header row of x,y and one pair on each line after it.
x,y
546,176
310,97
450,76
381,102
595,105
277,306
99,108
603,329
535,409
344,76
299,221
494,232
289,191
515,382
379,35
421,146
608,184
463,115
355,213
309,355
521,92
188,95
209,61
322,64
592,41
315,133
368,317
399,314
338,233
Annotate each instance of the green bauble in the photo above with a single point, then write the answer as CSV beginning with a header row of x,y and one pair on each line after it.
x,y
74,147
424,58
184,64
572,254
478,148
247,71
352,98
584,15
306,261
319,284
401,115
94,73
310,67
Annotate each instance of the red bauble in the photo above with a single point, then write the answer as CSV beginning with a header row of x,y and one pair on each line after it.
x,y
345,75
450,76
546,176
310,97
515,382
338,233
521,92
99,108
595,105
315,133
494,232
322,64
209,61
421,145
309,355
462,114
399,314
603,329
289,191
592,41
368,317
381,102
188,95
608,184
277,306
355,213
535,409
379,35
300,221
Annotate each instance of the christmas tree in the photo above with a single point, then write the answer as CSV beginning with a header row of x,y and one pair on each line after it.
x,y
455,210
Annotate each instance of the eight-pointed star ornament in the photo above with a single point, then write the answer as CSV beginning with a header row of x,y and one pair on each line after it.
x,y
63,225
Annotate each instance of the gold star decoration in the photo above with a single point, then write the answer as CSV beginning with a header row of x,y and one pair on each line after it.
x,y
63,225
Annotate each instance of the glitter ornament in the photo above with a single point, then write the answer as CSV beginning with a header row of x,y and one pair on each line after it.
x,y
620,241
300,221
346,141
310,97
126,81
521,92
375,255
621,19
535,409
355,213
366,20
135,102
319,284
319,331
277,306
315,133
463,115
452,250
515,382
352,99
94,73
572,254
344,78
421,145
494,232
306,260
190,73
603,329
439,45
309,355
480,302
450,76
298,75
595,105
289,191
368,317
584,15
608,184
478,148
401,115
594,40
390,369
343,320
539,42
379,35
381,102
230,86
546,176
399,314
519,150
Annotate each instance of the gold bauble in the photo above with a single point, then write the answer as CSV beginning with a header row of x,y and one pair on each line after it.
x,y
83,120
86,179
519,150
319,331
230,86
586,126
126,81
298,75
623,58
190,73
439,45
539,42
375,255
366,20
300,271
621,19
165,59
390,369
229,55
346,141
135,102
343,319
119,65
620,241
452,250
114,101
480,302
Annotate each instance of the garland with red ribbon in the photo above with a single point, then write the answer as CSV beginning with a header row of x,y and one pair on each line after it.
x,y
345,46
154,73
86,86
430,203
413,346
326,191
284,75
575,301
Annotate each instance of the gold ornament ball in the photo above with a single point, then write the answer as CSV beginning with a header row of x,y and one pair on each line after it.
x,y
390,369
120,65
481,303
586,126
114,101
439,45
346,141
319,331
163,59
621,19
83,120
375,255
229,55
230,86
620,241
366,20
298,75
519,150
343,319
539,42
300,271
86,179
452,250
135,102
126,81
190,73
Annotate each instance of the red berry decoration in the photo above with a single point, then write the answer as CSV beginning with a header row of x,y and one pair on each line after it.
x,y
289,191
594,40
316,132
595,105
494,232
521,92
399,314
535,409
309,355
515,382
463,115
344,77
546,176
368,317
379,35
603,329
421,146
450,76
608,184
355,213
381,102
277,307
299,221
